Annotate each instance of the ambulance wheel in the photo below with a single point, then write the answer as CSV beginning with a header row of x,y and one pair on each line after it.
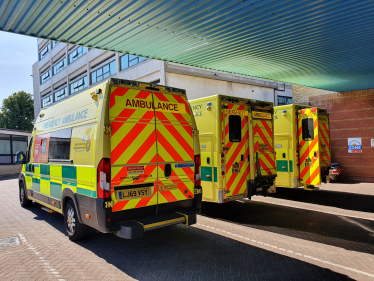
x,y
74,228
25,202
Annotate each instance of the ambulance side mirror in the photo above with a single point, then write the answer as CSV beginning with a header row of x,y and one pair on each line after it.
x,y
20,158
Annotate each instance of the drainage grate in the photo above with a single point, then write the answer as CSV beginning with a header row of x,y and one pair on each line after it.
x,y
9,242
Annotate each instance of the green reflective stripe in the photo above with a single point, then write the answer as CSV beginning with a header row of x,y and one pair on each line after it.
x,y
86,192
44,170
281,164
69,172
36,184
206,173
291,166
56,190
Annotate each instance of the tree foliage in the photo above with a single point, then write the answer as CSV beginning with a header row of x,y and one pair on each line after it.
x,y
17,112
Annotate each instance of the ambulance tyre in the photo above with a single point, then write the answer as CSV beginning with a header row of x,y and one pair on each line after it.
x,y
74,228
25,202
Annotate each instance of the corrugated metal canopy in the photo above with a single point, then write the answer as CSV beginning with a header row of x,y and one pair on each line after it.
x,y
323,44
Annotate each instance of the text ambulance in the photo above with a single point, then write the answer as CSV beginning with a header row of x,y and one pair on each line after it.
x,y
122,157
302,145
237,151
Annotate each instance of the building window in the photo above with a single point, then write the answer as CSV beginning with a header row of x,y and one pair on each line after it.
x,y
103,72
9,146
54,43
44,52
45,76
47,101
78,85
60,94
284,100
130,60
59,66
77,53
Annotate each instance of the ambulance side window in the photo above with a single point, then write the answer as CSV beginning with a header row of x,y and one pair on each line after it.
x,y
308,129
235,128
59,144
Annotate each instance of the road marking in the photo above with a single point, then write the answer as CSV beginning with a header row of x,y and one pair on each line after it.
x,y
31,247
315,210
305,256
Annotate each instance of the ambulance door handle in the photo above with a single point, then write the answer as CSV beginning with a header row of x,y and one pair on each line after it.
x,y
242,158
208,160
248,157
167,170
32,168
315,154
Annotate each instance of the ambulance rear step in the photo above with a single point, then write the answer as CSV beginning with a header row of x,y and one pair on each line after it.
x,y
136,228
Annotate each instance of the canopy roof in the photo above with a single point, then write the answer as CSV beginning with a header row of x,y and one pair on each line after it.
x,y
323,44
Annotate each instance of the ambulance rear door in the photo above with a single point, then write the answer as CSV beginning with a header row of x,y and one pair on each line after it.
x,y
235,136
263,140
309,146
133,149
324,139
175,148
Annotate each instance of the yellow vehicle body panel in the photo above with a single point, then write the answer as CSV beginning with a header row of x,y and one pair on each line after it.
x,y
301,162
229,164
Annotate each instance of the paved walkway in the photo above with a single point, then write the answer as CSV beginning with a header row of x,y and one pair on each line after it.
x,y
248,240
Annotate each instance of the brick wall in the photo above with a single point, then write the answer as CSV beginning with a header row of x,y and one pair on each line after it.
x,y
301,94
351,115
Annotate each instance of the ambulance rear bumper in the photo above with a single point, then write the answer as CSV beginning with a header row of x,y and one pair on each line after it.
x,y
135,228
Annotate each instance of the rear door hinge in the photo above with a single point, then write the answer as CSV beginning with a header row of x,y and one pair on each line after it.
x,y
108,129
195,132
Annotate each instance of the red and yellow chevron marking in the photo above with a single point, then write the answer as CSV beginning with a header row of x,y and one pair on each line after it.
x,y
236,182
309,173
138,148
324,141
264,146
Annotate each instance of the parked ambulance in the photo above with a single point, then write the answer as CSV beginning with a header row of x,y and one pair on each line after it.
x,y
237,147
302,145
122,157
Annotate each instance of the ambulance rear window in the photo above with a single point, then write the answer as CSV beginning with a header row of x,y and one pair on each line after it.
x,y
235,128
308,129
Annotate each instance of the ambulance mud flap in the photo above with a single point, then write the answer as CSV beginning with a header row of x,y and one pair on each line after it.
x,y
261,184
135,228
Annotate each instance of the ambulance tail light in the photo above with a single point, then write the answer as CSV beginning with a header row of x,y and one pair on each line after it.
x,y
103,179
197,170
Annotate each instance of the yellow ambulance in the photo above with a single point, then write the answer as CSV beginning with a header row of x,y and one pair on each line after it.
x,y
237,147
122,157
302,145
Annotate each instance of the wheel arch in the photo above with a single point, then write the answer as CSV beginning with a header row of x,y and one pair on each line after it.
x,y
68,194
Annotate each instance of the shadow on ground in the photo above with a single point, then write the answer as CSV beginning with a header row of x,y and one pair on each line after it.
x,y
343,200
348,233
188,253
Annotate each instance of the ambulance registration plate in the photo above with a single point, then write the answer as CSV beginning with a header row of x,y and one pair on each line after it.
x,y
133,193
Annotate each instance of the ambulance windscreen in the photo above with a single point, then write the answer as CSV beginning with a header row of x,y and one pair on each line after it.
x,y
235,128
308,129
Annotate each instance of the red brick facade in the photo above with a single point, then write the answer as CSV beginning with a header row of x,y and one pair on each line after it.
x,y
351,115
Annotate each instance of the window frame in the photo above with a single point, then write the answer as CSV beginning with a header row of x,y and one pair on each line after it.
x,y
94,72
59,89
78,54
44,97
12,153
235,127
41,55
49,72
287,99
310,128
51,141
133,58
64,61
76,81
